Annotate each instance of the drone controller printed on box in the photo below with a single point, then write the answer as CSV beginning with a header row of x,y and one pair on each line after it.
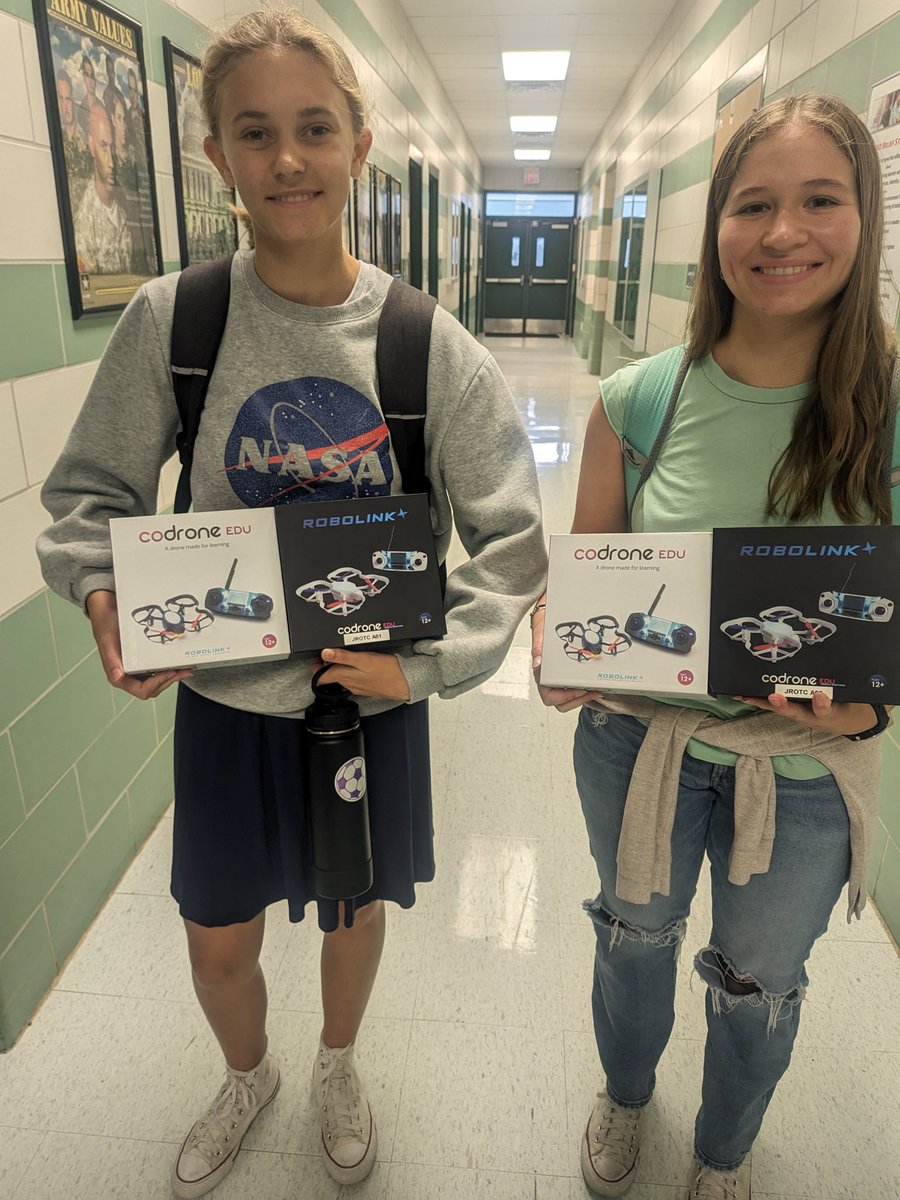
x,y
204,589
801,610
628,612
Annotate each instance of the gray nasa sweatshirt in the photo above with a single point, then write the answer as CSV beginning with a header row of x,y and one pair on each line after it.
x,y
292,415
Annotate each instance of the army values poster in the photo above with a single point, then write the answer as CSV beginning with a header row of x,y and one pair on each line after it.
x,y
206,224
95,88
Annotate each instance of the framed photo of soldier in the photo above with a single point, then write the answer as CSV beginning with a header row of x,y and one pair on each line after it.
x,y
207,228
95,90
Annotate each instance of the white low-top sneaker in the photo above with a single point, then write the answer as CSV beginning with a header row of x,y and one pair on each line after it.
x,y
209,1150
722,1185
349,1140
609,1148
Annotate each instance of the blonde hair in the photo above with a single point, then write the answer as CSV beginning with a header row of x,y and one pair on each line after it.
x,y
277,28
843,431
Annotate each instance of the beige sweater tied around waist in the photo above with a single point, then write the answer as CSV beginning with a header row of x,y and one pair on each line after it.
x,y
644,856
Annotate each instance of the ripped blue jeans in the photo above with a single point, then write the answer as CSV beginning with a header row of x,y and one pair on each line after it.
x,y
762,933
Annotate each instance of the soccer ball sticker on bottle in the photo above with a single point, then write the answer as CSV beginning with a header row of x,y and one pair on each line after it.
x,y
335,762
350,780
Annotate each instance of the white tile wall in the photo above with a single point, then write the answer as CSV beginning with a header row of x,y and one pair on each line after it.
x,y
785,12
168,220
761,18
158,104
797,54
834,27
46,406
21,519
870,13
15,111
12,478
207,12
668,315
30,228
35,86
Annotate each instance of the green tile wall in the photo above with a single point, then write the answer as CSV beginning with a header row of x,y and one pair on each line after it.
x,y
28,303
89,879
12,809
105,770
59,727
26,969
27,656
45,839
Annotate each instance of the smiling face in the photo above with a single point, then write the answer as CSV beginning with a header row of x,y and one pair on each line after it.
x,y
286,142
789,230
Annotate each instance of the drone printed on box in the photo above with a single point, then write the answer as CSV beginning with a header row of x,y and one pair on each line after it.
x,y
777,632
343,591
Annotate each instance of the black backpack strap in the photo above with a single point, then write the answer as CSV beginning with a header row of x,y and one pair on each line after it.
x,y
401,357
201,310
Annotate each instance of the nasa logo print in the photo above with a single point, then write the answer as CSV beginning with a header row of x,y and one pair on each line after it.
x,y
308,437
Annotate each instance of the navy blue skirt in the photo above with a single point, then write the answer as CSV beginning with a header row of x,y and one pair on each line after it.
x,y
241,827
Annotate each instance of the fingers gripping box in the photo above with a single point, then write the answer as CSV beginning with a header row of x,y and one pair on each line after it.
x,y
628,612
198,589
800,610
360,572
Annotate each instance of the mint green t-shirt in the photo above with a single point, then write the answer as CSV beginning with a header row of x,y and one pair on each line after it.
x,y
714,469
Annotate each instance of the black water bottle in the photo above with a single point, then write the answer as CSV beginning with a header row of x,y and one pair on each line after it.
x,y
336,793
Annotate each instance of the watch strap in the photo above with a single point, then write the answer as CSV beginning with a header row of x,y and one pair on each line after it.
x,y
882,720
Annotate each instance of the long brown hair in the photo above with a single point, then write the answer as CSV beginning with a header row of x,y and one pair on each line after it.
x,y
842,434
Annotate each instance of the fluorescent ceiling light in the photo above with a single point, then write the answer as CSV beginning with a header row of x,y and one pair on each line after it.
x,y
533,124
535,64
531,155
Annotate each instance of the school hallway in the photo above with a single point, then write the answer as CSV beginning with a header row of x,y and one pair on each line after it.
x,y
477,1049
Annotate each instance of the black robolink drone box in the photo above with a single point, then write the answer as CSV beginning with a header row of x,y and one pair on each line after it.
x,y
359,572
198,589
798,610
628,612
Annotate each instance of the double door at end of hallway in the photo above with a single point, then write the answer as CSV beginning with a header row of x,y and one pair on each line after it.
x,y
528,271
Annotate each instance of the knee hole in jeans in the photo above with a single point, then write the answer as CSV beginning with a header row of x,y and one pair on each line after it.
x,y
728,988
619,930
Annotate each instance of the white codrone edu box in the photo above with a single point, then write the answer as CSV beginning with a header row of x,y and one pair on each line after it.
x,y
628,612
198,589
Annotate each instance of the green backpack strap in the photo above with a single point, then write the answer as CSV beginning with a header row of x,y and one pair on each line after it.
x,y
648,415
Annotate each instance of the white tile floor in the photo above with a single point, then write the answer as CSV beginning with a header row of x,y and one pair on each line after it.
x,y
477,1048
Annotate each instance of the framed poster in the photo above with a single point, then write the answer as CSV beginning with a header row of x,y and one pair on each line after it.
x,y
364,238
383,240
207,228
396,228
95,90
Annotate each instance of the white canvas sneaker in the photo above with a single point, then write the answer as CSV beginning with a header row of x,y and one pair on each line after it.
x,y
609,1148
349,1140
209,1150
722,1185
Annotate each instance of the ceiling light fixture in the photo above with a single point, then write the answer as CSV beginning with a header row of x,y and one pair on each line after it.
x,y
533,124
531,155
535,64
